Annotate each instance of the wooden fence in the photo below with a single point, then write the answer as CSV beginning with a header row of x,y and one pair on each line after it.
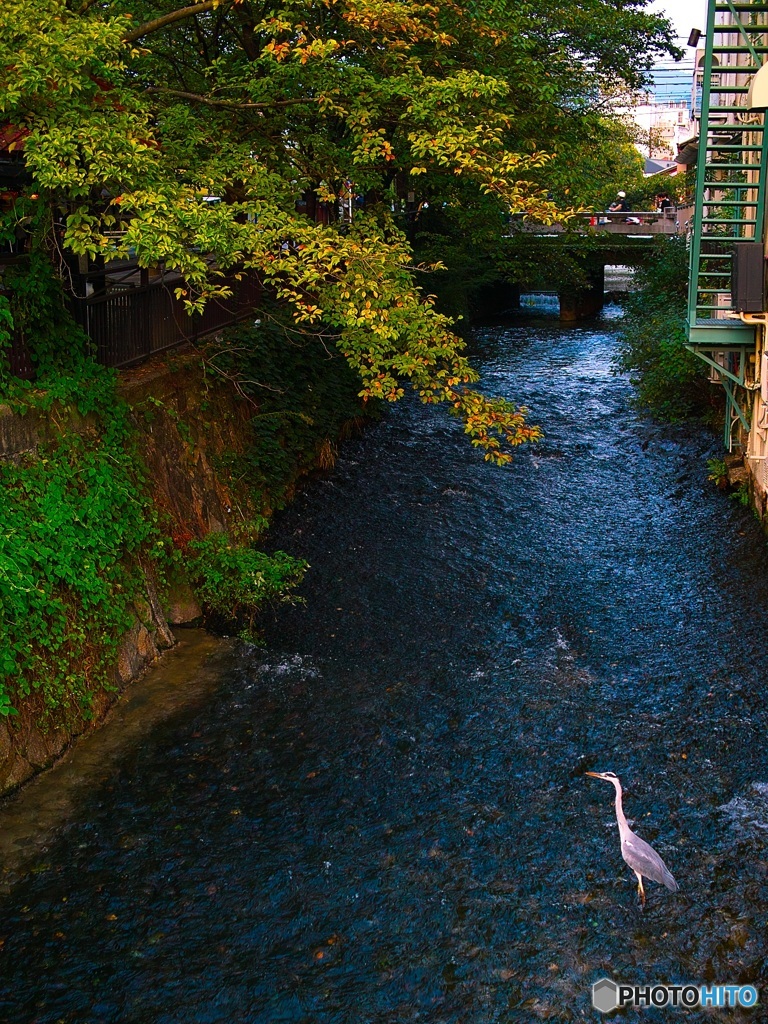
x,y
126,325
19,358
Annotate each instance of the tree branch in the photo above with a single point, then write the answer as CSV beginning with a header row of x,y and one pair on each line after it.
x,y
169,19
198,98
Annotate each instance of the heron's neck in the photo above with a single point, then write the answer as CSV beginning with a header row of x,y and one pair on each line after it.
x,y
623,826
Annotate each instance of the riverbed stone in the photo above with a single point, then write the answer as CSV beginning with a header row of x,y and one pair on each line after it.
x,y
143,610
145,648
36,749
6,753
6,746
161,631
182,607
21,770
56,741
101,702
738,476
127,657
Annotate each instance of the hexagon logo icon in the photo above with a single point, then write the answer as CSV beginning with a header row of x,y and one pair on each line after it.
x,y
605,995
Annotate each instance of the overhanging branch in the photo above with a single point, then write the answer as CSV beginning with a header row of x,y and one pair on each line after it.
x,y
169,19
236,104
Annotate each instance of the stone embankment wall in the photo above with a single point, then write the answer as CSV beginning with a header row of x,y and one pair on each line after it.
x,y
186,428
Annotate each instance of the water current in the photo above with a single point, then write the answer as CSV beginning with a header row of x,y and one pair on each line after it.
x,y
382,816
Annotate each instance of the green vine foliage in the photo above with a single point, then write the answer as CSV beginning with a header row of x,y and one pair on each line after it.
x,y
76,523
670,381
79,532
233,581
6,327
304,396
76,527
718,473
32,304
79,535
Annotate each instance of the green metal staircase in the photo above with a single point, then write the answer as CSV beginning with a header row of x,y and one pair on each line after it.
x,y
732,173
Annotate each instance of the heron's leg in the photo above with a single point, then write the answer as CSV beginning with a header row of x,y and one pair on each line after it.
x,y
640,889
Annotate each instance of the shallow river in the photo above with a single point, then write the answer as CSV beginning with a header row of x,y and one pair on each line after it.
x,y
382,817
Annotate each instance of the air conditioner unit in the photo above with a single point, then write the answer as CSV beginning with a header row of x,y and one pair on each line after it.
x,y
748,277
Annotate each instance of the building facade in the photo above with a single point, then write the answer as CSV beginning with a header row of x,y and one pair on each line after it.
x,y
728,312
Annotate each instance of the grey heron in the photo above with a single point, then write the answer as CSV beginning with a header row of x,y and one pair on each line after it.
x,y
640,856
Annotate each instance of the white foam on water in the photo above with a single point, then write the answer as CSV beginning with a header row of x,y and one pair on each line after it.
x,y
560,642
293,667
749,813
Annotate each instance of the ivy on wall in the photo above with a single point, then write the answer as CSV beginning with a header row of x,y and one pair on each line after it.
x,y
79,531
76,526
80,534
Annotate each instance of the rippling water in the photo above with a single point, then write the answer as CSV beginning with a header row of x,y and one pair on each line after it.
x,y
383,816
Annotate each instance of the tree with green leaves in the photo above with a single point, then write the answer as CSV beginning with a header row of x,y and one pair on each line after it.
x,y
670,382
134,113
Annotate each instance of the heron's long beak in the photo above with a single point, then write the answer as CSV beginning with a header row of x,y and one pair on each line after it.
x,y
595,775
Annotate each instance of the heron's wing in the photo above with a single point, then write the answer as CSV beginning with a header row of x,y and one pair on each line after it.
x,y
642,858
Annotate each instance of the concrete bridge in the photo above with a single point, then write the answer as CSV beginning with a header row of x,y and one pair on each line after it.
x,y
638,224
595,241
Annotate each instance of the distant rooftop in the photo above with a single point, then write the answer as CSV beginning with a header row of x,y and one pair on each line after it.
x,y
651,167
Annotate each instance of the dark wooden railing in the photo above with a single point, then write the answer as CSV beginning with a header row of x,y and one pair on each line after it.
x,y
127,325
130,319
19,358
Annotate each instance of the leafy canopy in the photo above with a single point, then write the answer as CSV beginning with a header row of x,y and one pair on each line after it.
x,y
137,112
670,381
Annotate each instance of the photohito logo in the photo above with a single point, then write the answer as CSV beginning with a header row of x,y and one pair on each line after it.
x,y
607,995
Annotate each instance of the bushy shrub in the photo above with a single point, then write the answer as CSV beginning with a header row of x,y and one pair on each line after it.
x,y
670,381
234,581
304,396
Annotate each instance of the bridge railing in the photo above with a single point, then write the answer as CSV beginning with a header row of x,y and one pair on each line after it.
x,y
633,222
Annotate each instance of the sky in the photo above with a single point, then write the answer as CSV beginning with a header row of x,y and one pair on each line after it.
x,y
684,14
673,81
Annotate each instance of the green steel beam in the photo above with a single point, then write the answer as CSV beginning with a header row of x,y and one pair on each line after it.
x,y
729,141
720,369
732,404
728,380
743,31
701,170
729,336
